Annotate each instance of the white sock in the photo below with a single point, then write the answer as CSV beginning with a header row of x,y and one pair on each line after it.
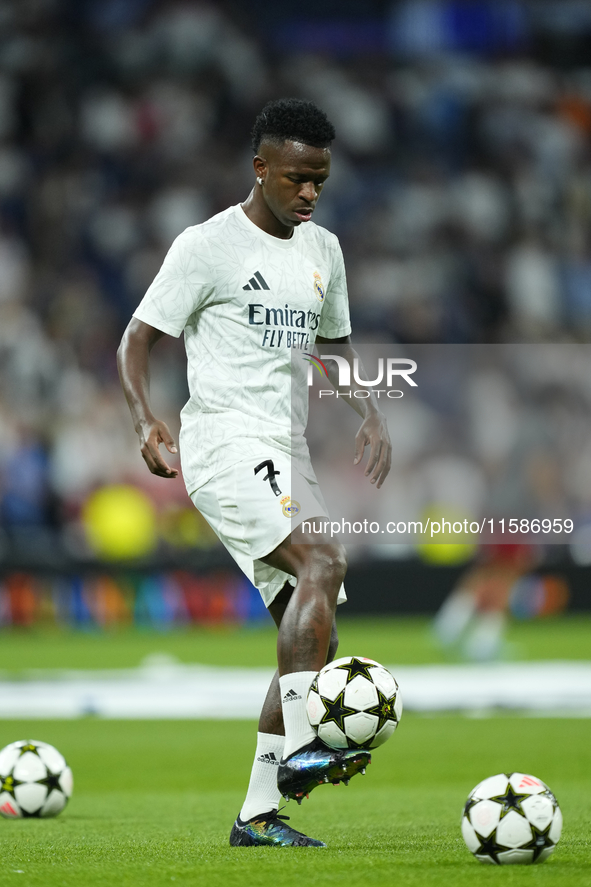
x,y
485,640
294,692
453,616
263,794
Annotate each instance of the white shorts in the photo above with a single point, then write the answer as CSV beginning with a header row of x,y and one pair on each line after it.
x,y
249,507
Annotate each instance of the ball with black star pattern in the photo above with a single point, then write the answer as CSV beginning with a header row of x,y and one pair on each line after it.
x,y
385,710
354,702
336,711
35,780
354,666
510,800
511,818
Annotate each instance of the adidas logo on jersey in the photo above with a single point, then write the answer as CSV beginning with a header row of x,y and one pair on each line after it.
x,y
257,282
268,759
291,696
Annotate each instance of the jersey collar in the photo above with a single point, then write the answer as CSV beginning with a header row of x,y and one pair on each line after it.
x,y
268,238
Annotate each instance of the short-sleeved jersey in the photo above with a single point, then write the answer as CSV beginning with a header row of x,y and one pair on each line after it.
x,y
244,300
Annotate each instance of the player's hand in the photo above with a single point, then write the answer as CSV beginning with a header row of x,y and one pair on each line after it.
x,y
151,436
374,433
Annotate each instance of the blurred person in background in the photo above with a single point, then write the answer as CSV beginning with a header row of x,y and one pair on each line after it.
x,y
473,617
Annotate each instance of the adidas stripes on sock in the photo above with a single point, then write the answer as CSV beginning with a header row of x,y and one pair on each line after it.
x,y
263,794
294,692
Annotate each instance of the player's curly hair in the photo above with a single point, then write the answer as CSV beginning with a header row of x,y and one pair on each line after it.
x,y
292,120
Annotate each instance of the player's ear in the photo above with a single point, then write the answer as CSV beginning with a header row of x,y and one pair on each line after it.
x,y
260,166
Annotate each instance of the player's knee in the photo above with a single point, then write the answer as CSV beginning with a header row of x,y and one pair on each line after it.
x,y
330,562
340,564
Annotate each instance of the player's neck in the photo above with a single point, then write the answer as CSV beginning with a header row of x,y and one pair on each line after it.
x,y
259,213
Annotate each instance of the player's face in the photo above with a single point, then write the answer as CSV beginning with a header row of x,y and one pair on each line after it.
x,y
293,175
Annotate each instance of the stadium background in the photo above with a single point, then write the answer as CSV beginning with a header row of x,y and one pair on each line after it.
x,y
461,193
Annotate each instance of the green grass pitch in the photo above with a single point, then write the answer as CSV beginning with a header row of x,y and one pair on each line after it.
x,y
154,801
402,640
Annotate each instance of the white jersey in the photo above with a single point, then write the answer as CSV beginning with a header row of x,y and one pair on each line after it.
x,y
244,299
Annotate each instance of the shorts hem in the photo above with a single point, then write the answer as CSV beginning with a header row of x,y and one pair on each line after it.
x,y
284,536
273,546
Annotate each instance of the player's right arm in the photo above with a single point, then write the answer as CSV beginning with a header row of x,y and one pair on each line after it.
x,y
133,360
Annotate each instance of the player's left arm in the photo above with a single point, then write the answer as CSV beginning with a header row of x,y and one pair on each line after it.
x,y
374,430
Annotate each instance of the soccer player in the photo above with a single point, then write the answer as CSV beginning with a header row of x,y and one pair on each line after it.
x,y
246,287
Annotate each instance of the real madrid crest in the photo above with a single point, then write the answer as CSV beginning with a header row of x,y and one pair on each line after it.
x,y
289,506
318,287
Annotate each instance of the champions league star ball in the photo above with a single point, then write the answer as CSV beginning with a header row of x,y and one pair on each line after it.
x,y
34,780
354,702
511,818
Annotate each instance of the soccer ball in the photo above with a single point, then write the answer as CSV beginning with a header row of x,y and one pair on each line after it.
x,y
34,780
511,818
354,702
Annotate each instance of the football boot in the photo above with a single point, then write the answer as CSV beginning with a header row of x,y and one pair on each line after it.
x,y
315,764
269,830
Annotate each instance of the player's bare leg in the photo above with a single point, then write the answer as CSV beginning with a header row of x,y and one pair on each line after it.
x,y
259,822
302,650
271,718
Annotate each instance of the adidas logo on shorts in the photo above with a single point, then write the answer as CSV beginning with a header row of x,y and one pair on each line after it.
x,y
268,759
257,282
291,696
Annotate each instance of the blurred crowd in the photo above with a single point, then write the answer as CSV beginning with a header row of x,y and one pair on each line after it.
x,y
461,192
496,434
102,600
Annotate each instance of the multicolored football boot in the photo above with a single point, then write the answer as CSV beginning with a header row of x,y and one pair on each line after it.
x,y
269,830
315,764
